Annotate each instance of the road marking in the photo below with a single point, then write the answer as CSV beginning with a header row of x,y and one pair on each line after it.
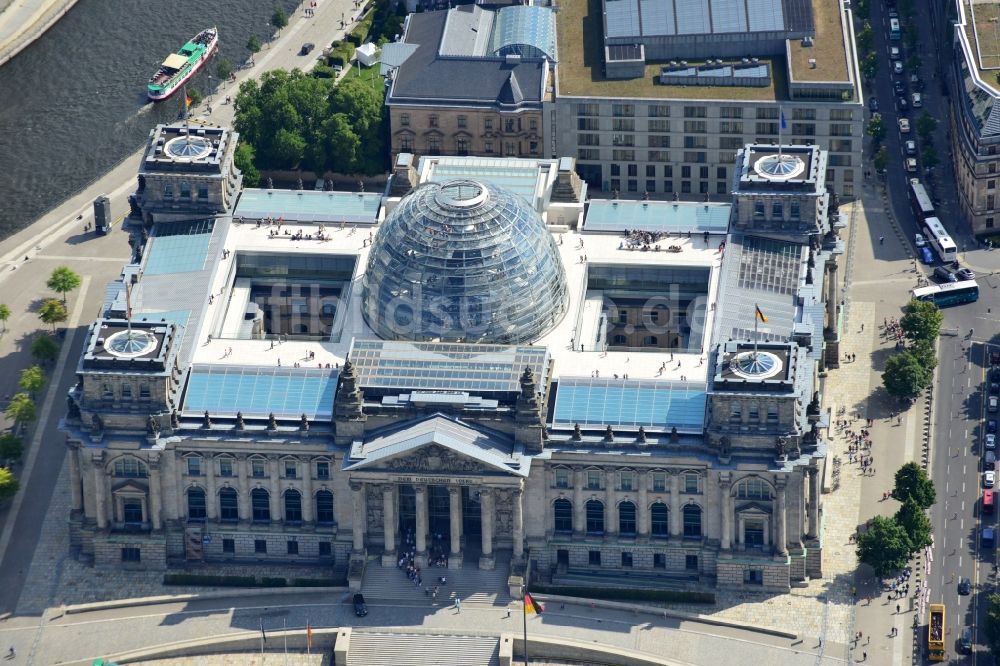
x,y
60,257
961,523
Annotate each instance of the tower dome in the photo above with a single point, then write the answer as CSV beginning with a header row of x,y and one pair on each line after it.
x,y
463,261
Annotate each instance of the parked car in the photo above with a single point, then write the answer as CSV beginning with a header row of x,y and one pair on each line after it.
x,y
902,104
990,441
991,426
989,479
897,66
965,274
990,460
926,256
995,360
360,607
307,48
942,274
919,240
988,537
994,388
917,100
873,105
904,124
993,403
895,53
898,87
965,586
965,640
911,164
915,82
911,147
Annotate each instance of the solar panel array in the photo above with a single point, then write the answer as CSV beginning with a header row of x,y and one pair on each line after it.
x,y
648,18
259,391
476,368
655,405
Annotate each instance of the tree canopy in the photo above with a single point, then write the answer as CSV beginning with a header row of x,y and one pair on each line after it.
x,y
21,408
63,279
912,482
992,625
52,312
11,446
921,320
884,546
916,524
905,376
876,128
4,315
294,121
44,348
8,484
32,379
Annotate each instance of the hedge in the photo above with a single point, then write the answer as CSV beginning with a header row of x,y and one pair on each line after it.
x,y
323,72
626,593
249,581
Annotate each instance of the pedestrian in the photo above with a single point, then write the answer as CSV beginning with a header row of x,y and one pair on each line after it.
x,y
508,612
881,240
458,605
864,656
11,653
897,609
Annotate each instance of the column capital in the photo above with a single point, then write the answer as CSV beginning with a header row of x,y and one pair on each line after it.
x,y
517,492
454,490
812,471
725,479
357,486
486,491
419,489
780,482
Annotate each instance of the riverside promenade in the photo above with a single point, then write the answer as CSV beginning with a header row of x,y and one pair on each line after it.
x,y
24,21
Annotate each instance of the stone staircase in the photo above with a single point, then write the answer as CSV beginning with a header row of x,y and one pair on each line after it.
x,y
470,584
371,648
630,580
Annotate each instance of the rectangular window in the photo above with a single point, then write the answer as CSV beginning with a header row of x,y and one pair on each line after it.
x,y
593,479
658,155
695,127
562,477
633,185
803,114
126,391
720,172
616,169
703,172
322,470
691,562
720,187
730,112
659,482
590,154
508,125
767,128
292,546
404,119
841,145
533,124
622,139
623,155
131,554
659,561
650,171
202,192
325,549
462,122
734,127
838,129
229,546
588,109
685,172
257,468
991,184
588,139
839,160
695,142
143,391
731,142
406,143
650,185
696,157
488,146
627,480
627,560
767,113
633,170
754,414
658,126
691,483
594,558
291,469
753,577
194,466
695,112
658,111
260,545
620,110
488,123
772,413
432,121
623,125
225,466
229,506
685,187
841,114
658,140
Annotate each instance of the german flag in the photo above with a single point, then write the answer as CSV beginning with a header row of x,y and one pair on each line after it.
x,y
759,314
532,606
188,101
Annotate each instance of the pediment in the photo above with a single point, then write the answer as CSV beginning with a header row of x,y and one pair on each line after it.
x,y
438,445
130,485
752,509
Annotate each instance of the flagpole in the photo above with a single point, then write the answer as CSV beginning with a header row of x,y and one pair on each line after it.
x,y
309,637
262,638
756,318
284,631
781,124
524,618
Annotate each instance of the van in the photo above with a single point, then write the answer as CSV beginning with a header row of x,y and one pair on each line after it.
x,y
988,537
917,100
895,53
965,640
989,501
992,403
944,275
990,460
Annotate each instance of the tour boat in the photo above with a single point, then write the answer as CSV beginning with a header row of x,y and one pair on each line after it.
x,y
181,66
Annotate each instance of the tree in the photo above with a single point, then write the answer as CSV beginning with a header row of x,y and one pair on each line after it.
x,y
915,523
913,63
863,9
253,44
864,38
21,409
11,446
8,484
243,158
884,546
224,69
4,315
881,159
52,312
32,380
869,66
925,126
930,157
910,37
62,280
924,352
905,376
912,482
279,19
992,626
921,320
876,128
44,348
195,95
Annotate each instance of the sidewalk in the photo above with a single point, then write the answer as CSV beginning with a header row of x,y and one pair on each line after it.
x,y
24,21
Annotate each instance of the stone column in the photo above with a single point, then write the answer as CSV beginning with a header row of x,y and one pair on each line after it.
x,y
75,478
358,517
211,490
643,512
579,513
725,539
274,492
244,490
832,298
389,525
813,503
675,505
174,486
518,501
308,515
781,538
155,494
421,536
486,499
100,494
455,526
610,505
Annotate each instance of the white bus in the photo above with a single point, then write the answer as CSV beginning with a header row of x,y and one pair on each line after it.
x,y
921,203
939,239
950,293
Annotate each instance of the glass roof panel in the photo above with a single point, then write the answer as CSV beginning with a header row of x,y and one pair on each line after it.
x,y
655,405
258,391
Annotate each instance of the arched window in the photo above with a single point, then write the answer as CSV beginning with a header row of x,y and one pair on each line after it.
x,y
692,522
660,519
563,510
293,506
754,488
229,505
196,504
130,468
595,517
626,518
260,502
650,341
324,507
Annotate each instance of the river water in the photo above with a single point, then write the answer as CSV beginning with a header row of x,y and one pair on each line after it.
x,y
73,104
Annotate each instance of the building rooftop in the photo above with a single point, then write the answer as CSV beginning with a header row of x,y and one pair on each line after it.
x,y
308,206
630,19
532,179
828,47
192,148
670,217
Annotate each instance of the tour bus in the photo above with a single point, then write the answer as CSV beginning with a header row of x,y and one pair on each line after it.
x,y
950,293
989,501
920,201
939,239
894,31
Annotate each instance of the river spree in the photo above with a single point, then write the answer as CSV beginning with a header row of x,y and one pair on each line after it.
x,y
73,104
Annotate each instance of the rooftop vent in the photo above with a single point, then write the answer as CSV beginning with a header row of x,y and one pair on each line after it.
x,y
812,63
807,41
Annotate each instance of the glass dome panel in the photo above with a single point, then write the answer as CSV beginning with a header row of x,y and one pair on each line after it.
x,y
463,261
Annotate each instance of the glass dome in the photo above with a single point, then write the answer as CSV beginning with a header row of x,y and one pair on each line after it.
x,y
463,261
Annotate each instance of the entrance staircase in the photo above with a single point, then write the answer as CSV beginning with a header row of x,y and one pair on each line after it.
x,y
470,583
371,648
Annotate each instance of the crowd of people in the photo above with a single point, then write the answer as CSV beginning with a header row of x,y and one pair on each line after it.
x,y
437,557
